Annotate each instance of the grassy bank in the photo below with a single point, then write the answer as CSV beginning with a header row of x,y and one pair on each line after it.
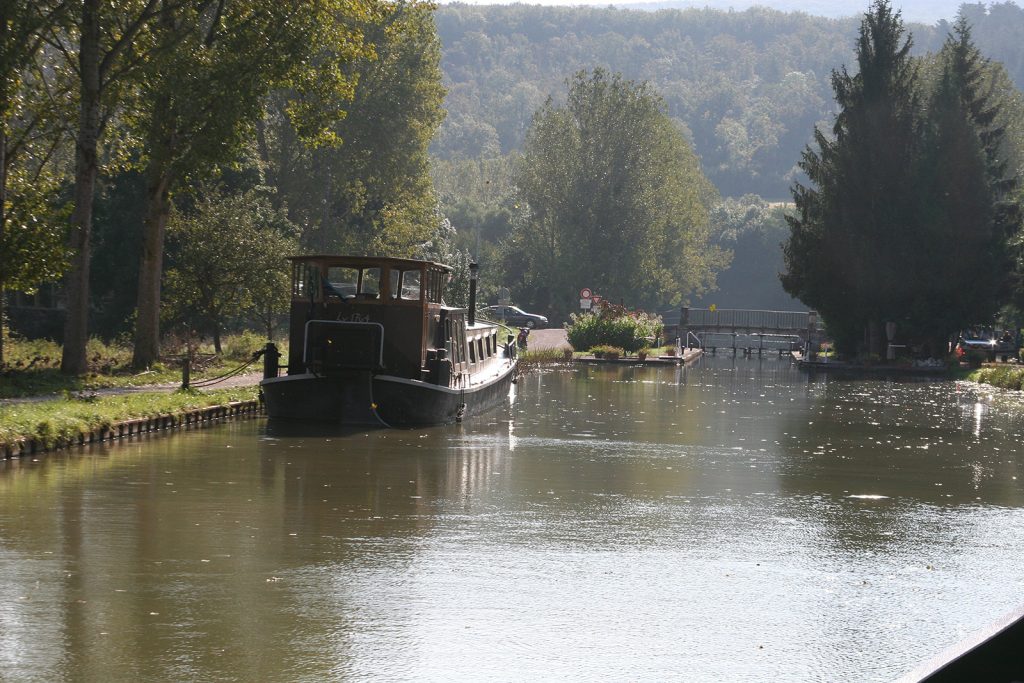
x,y
1002,376
50,422
531,360
32,367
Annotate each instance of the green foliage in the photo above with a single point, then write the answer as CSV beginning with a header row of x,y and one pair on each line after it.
x,y
615,200
906,217
965,183
32,241
205,85
372,194
1002,376
751,229
614,326
117,240
240,347
608,351
477,196
228,258
748,86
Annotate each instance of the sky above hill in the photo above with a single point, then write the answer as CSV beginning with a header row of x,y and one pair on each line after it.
x,y
923,11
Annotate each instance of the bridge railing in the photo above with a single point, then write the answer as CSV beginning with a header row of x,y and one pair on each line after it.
x,y
731,318
747,342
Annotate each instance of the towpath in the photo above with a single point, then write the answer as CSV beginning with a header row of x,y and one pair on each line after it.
x,y
552,338
248,379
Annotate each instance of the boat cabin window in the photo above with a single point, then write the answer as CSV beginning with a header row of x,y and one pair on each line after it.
x,y
480,349
405,284
472,351
341,281
369,283
346,282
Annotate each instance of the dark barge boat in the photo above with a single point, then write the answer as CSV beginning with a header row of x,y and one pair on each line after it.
x,y
371,341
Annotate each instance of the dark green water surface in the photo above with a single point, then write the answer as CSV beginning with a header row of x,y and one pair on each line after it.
x,y
732,521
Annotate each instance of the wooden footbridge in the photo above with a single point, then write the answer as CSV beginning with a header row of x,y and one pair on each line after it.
x,y
741,330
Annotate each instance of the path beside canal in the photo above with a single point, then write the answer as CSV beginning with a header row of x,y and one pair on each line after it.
x,y
248,379
553,338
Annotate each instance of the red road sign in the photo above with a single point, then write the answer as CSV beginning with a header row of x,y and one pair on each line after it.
x,y
585,293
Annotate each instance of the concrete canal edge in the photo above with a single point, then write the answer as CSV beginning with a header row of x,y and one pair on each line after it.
x,y
127,429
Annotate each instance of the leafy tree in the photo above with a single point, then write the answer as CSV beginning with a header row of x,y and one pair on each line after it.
x,y
753,230
204,91
616,201
478,198
105,56
228,261
372,193
29,232
854,227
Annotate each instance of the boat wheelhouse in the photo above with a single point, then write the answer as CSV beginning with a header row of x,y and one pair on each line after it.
x,y
371,341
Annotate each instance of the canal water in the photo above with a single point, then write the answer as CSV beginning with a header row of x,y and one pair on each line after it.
x,y
736,520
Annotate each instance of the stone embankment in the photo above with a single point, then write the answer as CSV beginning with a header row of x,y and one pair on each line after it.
x,y
127,429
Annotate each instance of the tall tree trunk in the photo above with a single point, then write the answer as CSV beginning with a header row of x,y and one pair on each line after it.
x,y
216,337
76,283
151,265
3,190
161,145
2,313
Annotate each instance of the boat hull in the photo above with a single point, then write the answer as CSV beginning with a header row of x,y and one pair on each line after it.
x,y
360,397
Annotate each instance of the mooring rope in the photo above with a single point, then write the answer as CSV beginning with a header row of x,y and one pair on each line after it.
x,y
227,375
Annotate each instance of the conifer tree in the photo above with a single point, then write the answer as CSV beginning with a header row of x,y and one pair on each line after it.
x,y
962,271
910,213
854,223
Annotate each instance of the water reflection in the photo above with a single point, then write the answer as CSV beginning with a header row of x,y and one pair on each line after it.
x,y
735,520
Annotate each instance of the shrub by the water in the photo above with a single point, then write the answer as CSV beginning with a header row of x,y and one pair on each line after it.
x,y
1002,376
607,351
613,326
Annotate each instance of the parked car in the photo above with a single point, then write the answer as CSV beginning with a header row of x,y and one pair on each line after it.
x,y
986,341
516,316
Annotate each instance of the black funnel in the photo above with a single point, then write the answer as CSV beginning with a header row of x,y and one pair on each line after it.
x,y
472,292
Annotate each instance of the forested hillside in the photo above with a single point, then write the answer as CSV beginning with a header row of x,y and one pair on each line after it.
x,y
928,11
747,89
